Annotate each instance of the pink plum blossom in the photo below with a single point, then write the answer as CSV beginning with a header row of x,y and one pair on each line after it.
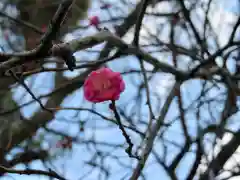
x,y
103,85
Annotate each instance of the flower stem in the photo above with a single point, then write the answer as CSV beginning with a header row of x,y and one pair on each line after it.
x,y
124,133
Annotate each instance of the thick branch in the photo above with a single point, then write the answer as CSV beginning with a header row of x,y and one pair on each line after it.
x,y
227,151
153,133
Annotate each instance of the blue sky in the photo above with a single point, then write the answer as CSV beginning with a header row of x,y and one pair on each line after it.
x,y
73,162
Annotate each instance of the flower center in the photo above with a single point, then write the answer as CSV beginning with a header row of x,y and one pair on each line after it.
x,y
102,85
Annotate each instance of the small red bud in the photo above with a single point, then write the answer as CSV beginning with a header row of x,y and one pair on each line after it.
x,y
6,35
105,6
94,21
65,143
175,19
111,106
81,129
44,28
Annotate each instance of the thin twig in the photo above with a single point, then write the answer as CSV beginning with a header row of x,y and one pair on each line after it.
x,y
118,119
135,42
144,4
55,25
21,81
23,23
186,14
49,173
